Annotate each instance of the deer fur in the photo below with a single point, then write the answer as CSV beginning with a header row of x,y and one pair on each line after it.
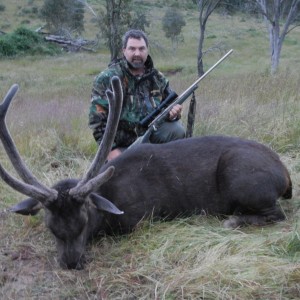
x,y
214,175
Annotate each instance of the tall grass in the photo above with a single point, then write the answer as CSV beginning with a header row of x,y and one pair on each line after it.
x,y
192,258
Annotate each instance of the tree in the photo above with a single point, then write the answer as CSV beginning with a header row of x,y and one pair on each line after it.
x,y
205,7
112,23
172,23
274,13
63,17
115,20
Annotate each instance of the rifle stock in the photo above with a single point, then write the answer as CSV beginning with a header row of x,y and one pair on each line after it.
x,y
161,117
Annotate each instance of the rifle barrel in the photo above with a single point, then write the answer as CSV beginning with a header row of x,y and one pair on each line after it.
x,y
181,98
208,71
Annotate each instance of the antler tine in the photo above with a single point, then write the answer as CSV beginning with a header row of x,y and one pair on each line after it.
x,y
33,187
91,177
26,189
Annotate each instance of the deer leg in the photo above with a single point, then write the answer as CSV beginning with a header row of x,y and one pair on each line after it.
x,y
272,215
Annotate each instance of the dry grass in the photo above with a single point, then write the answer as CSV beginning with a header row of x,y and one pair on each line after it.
x,y
186,259
192,258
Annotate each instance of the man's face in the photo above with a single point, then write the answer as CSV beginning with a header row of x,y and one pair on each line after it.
x,y
136,52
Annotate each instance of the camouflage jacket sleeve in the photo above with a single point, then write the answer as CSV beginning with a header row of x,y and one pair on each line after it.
x,y
98,113
99,106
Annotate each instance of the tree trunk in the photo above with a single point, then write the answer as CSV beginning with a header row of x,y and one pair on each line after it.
x,y
272,12
112,11
200,51
205,7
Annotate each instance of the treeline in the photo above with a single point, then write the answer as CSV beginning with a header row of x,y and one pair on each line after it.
x,y
226,6
250,6
66,19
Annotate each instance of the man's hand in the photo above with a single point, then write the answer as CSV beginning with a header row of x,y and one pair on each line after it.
x,y
175,112
113,154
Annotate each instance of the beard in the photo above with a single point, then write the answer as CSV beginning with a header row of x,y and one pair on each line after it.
x,y
136,64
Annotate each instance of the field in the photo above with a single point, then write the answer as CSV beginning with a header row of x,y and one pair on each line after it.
x,y
194,258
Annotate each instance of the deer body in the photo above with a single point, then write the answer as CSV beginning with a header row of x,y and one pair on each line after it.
x,y
213,175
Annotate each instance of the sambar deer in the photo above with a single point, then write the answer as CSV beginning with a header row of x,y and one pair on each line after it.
x,y
213,175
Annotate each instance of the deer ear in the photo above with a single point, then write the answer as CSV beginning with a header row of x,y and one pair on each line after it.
x,y
26,207
103,204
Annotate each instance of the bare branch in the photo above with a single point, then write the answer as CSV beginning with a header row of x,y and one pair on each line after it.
x,y
88,6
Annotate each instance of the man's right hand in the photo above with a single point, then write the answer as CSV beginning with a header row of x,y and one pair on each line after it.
x,y
113,154
175,112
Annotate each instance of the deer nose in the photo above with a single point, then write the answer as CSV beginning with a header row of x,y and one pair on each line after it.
x,y
73,264
79,265
76,266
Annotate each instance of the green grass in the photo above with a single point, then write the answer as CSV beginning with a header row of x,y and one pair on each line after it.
x,y
190,258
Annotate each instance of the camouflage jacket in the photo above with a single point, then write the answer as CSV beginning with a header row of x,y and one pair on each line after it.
x,y
141,95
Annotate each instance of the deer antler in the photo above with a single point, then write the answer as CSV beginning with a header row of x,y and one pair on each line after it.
x,y
31,187
92,179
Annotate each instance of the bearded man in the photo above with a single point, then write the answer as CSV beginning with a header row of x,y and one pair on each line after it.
x,y
144,87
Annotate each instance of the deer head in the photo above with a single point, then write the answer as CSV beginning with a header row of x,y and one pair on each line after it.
x,y
71,204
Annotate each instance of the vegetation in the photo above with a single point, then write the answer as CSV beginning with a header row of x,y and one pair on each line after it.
x,y
190,258
2,7
114,21
63,17
25,42
172,24
280,18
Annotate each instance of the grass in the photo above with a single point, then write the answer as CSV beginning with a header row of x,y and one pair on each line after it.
x,y
193,258
184,259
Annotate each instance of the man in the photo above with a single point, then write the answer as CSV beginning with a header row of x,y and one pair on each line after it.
x,y
143,88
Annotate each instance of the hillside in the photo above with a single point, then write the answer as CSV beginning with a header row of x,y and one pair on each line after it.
x,y
246,35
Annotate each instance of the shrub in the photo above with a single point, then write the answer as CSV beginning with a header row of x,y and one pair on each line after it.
x,y
6,47
63,16
24,41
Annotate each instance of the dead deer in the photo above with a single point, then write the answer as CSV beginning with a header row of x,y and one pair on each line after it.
x,y
214,175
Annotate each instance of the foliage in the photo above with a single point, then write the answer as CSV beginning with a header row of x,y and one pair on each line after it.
x,y
139,20
172,24
236,6
24,41
63,17
245,6
114,21
2,7
278,25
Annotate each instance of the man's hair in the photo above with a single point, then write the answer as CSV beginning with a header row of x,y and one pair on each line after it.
x,y
134,34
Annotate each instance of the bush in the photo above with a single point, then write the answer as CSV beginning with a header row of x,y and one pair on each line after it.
x,y
7,48
63,16
24,41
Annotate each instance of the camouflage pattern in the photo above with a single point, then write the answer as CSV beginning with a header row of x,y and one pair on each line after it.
x,y
141,95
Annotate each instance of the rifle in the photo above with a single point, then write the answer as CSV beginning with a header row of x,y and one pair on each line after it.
x,y
161,113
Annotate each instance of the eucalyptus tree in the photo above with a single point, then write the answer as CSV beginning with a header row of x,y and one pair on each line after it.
x,y
205,7
172,24
63,17
114,18
280,17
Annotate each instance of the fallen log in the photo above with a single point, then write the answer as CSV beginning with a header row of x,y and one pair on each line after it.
x,y
70,45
